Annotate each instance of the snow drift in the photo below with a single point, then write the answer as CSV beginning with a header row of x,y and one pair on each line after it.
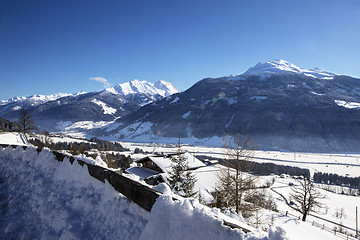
x,y
42,198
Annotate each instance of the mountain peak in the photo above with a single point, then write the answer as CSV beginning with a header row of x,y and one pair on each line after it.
x,y
280,66
161,88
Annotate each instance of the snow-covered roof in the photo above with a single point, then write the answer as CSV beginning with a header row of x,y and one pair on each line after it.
x,y
164,163
142,172
193,162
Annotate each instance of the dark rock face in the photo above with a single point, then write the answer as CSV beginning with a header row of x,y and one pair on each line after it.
x,y
284,111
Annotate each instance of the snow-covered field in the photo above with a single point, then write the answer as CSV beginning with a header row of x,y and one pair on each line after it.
x,y
333,205
12,138
341,164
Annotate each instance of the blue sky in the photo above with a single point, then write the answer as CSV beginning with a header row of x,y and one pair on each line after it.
x,y
48,47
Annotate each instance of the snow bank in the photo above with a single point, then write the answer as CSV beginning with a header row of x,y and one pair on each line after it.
x,y
42,198
179,220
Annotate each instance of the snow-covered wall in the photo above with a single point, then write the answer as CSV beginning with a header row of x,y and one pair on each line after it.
x,y
42,198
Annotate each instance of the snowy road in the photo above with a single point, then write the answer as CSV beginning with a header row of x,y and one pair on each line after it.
x,y
13,138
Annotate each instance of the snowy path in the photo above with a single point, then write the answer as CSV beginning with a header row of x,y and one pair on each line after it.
x,y
13,138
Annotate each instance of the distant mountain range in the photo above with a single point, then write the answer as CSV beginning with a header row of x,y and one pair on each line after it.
x,y
61,112
281,106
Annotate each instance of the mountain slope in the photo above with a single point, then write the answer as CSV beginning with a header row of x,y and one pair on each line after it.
x,y
284,110
53,113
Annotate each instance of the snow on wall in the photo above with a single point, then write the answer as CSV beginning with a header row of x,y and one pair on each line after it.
x,y
179,220
42,198
47,199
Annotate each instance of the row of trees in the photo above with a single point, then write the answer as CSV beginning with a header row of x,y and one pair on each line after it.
x,y
8,126
25,123
335,179
77,147
264,169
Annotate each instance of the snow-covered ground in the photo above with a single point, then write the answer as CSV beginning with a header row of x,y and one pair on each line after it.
x,y
46,199
341,164
12,138
42,198
333,203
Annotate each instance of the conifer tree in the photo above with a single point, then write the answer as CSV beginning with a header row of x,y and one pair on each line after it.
x,y
181,180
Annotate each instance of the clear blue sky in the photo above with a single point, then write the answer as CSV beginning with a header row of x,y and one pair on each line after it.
x,y
50,46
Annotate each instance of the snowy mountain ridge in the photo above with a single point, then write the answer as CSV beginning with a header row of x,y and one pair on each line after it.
x,y
160,88
283,67
135,86
52,111
35,100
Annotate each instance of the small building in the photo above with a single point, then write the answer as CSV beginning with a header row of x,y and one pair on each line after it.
x,y
155,167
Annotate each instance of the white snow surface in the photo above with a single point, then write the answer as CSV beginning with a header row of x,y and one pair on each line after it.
x,y
318,94
161,88
258,98
42,198
346,104
13,138
35,100
106,109
283,67
175,100
187,222
165,163
341,164
185,115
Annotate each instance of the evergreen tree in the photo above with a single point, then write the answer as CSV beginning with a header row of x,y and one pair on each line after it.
x,y
181,180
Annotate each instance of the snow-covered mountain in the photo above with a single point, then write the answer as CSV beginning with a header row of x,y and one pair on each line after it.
x,y
144,92
34,100
86,110
280,105
160,88
283,67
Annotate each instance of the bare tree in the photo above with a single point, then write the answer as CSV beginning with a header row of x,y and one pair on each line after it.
x,y
25,121
306,197
235,186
